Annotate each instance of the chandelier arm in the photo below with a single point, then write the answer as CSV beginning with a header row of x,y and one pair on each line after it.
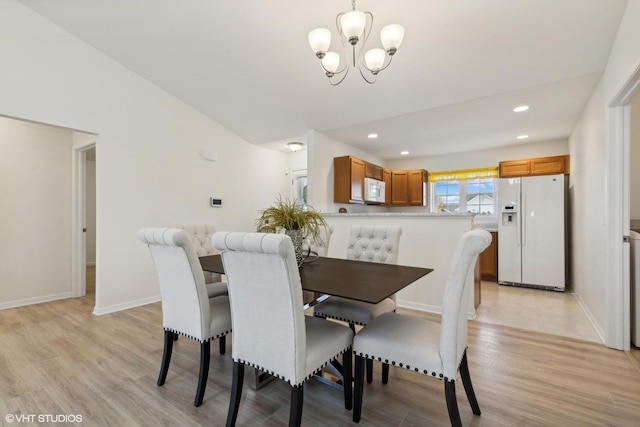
x,y
339,81
345,67
388,60
375,76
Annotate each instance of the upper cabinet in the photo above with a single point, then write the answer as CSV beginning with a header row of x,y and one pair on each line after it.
x,y
372,171
409,187
348,180
538,166
386,177
402,187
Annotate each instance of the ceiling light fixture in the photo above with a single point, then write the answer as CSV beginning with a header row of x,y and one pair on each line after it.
x,y
354,28
372,136
521,108
404,153
522,136
295,146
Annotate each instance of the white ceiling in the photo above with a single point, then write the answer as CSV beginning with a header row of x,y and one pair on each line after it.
x,y
463,66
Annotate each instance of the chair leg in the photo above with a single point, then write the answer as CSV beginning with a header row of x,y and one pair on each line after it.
x,y
166,356
358,374
369,365
236,393
468,387
347,378
452,403
223,344
295,411
385,373
205,355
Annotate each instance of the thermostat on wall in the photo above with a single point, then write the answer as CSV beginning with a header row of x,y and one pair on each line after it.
x,y
216,203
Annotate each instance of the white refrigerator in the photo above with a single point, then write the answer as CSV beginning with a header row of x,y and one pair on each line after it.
x,y
532,231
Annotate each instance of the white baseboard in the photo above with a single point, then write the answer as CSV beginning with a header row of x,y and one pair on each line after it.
x,y
590,317
35,300
98,311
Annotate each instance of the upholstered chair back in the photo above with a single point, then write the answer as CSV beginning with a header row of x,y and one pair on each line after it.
x,y
453,333
374,243
321,245
185,303
265,294
200,235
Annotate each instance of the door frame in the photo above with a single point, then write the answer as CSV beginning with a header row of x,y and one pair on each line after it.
x,y
618,328
78,236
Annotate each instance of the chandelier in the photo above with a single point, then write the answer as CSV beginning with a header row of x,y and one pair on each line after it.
x,y
354,28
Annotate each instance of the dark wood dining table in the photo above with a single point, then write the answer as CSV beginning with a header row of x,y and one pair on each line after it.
x,y
358,280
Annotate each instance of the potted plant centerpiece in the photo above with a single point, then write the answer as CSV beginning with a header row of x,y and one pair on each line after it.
x,y
298,222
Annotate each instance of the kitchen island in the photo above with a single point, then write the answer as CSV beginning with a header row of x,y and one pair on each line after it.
x,y
428,240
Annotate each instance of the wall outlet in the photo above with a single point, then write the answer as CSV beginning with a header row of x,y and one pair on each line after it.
x,y
216,203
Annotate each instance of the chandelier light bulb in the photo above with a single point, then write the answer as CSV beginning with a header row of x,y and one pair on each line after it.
x,y
331,62
391,37
374,59
320,40
352,24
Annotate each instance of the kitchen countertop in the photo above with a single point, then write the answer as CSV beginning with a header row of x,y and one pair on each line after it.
x,y
397,214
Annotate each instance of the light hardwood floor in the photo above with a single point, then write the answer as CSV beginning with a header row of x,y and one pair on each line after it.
x,y
557,313
58,358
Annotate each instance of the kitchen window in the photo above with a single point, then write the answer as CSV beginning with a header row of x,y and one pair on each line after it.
x,y
468,190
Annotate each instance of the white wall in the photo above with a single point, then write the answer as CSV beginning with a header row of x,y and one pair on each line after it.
x,y
150,170
634,160
35,213
483,158
588,188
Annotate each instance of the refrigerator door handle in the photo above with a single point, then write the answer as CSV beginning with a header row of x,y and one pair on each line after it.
x,y
523,220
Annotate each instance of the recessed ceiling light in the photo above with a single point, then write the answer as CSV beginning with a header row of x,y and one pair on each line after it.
x,y
404,153
372,136
521,108
522,136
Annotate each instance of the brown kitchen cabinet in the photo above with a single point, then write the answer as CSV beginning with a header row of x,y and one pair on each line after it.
x,y
348,180
537,166
409,187
489,260
386,177
373,171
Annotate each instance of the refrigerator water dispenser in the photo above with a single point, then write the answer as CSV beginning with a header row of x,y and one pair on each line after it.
x,y
509,216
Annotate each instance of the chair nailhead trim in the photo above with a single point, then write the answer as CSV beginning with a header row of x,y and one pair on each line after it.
x,y
263,369
196,339
436,375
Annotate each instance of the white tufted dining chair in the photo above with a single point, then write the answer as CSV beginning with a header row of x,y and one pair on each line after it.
x,y
270,330
186,308
200,235
438,350
371,243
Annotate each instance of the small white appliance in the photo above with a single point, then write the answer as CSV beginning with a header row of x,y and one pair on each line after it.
x,y
374,191
532,232
634,238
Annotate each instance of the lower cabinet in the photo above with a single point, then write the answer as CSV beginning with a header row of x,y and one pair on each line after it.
x,y
489,260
